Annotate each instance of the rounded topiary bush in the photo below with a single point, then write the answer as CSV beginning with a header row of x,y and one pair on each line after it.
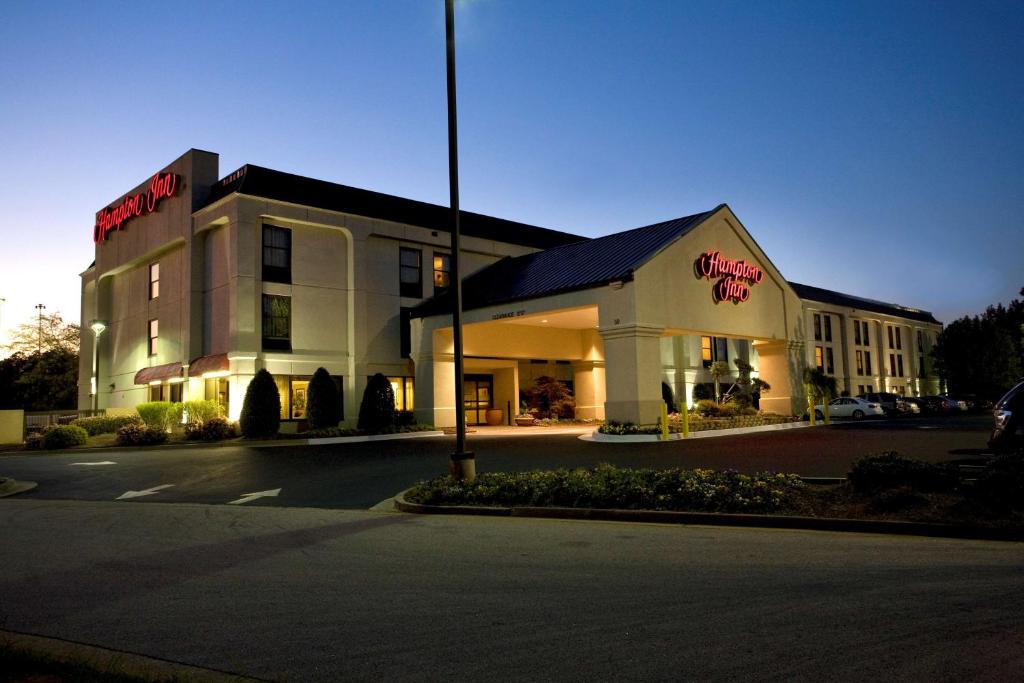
x,y
261,410
323,408
217,429
377,411
890,470
64,436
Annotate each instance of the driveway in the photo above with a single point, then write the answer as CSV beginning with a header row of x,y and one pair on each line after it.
x,y
357,476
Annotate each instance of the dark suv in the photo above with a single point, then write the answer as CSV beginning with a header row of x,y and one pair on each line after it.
x,y
892,404
1009,414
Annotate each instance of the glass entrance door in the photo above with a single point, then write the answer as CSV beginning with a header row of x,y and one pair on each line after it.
x,y
477,397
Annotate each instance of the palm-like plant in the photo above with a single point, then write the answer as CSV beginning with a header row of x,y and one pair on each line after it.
x,y
718,370
820,386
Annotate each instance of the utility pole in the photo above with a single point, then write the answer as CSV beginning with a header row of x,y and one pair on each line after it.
x,y
463,463
40,308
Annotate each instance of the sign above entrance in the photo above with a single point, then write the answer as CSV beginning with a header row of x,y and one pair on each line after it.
x,y
736,276
161,186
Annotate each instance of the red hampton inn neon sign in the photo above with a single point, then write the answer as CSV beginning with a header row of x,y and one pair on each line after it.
x,y
162,186
735,276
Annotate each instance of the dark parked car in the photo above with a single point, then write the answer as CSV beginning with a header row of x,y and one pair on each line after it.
x,y
922,405
941,404
892,404
1009,417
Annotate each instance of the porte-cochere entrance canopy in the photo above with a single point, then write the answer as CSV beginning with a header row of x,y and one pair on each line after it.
x,y
616,317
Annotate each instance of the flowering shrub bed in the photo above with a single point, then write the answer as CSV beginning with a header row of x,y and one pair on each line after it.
x,y
328,432
609,487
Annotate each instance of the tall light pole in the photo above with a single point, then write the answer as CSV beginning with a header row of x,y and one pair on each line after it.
x,y
97,327
463,463
39,344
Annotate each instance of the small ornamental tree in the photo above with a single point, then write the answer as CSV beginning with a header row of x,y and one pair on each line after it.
x,y
261,410
718,370
819,386
323,408
377,411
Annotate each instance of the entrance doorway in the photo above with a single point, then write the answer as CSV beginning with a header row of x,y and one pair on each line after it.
x,y
477,397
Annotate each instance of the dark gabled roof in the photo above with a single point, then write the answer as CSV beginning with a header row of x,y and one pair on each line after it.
x,y
286,187
582,265
827,296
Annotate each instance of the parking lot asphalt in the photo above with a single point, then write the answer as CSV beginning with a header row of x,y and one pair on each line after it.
x,y
358,476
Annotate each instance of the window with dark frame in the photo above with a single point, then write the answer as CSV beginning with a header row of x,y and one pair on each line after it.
x,y
860,362
856,332
277,254
920,366
154,335
817,327
867,341
442,272
867,362
920,340
277,322
828,328
899,342
889,328
892,364
154,280
410,273
829,361
899,364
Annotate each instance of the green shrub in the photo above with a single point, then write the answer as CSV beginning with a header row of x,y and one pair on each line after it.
x,y
64,436
405,418
104,424
1001,485
214,429
199,412
141,435
377,410
324,404
261,410
163,414
34,442
889,470
611,487
627,428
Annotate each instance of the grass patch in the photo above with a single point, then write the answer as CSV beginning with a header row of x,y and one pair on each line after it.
x,y
20,665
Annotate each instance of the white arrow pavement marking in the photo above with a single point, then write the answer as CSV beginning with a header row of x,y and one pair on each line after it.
x,y
147,492
87,464
246,497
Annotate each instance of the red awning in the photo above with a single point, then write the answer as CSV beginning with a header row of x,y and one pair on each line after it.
x,y
158,373
218,362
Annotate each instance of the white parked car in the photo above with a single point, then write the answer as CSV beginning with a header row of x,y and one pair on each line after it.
x,y
849,407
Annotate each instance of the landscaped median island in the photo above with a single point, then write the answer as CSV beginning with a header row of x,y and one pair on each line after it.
x,y
926,498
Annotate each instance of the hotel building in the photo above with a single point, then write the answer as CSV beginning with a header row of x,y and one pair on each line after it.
x,y
199,281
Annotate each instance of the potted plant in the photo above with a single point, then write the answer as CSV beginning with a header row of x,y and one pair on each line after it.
x,y
525,418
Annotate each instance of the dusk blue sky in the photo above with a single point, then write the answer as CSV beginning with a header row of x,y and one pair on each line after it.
x,y
872,148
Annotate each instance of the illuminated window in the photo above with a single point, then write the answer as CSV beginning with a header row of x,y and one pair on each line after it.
x,y
410,273
154,334
293,390
154,280
828,328
277,322
277,254
860,362
442,272
817,327
216,389
713,349
819,357
705,351
403,388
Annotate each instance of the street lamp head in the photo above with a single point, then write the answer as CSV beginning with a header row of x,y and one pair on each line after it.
x,y
97,327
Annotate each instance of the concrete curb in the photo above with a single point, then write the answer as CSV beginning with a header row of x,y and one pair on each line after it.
x,y
107,661
372,437
10,487
722,519
597,437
